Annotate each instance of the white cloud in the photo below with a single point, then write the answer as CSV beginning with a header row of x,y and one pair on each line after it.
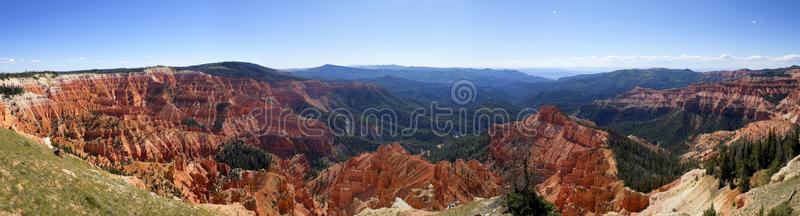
x,y
555,12
724,60
6,60
727,56
793,57
757,58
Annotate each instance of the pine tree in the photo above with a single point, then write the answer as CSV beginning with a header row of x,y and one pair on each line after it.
x,y
744,183
710,211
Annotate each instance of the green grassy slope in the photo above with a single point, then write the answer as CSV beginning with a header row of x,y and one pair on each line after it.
x,y
34,181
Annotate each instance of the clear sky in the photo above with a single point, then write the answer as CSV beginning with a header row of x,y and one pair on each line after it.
x,y
67,35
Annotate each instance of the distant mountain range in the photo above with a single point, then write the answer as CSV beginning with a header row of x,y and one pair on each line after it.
x,y
515,87
480,77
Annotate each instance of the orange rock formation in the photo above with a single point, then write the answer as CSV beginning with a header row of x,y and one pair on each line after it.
x,y
373,180
577,172
163,127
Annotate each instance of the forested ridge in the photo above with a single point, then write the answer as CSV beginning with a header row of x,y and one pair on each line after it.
x,y
735,164
641,168
239,155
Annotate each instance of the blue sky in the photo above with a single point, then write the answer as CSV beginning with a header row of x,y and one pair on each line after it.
x,y
68,35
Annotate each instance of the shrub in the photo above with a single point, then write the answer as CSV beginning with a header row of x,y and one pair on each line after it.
x,y
782,209
221,115
744,183
191,122
529,203
93,201
10,90
710,211
28,74
238,155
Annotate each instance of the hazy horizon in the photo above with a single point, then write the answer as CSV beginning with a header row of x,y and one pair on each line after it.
x,y
553,73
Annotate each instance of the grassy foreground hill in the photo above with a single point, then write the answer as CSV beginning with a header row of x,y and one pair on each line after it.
x,y
34,181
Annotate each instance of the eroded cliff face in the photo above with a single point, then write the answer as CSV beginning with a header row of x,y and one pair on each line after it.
x,y
725,75
278,191
374,180
753,98
701,147
769,104
544,139
586,183
577,172
164,127
159,114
